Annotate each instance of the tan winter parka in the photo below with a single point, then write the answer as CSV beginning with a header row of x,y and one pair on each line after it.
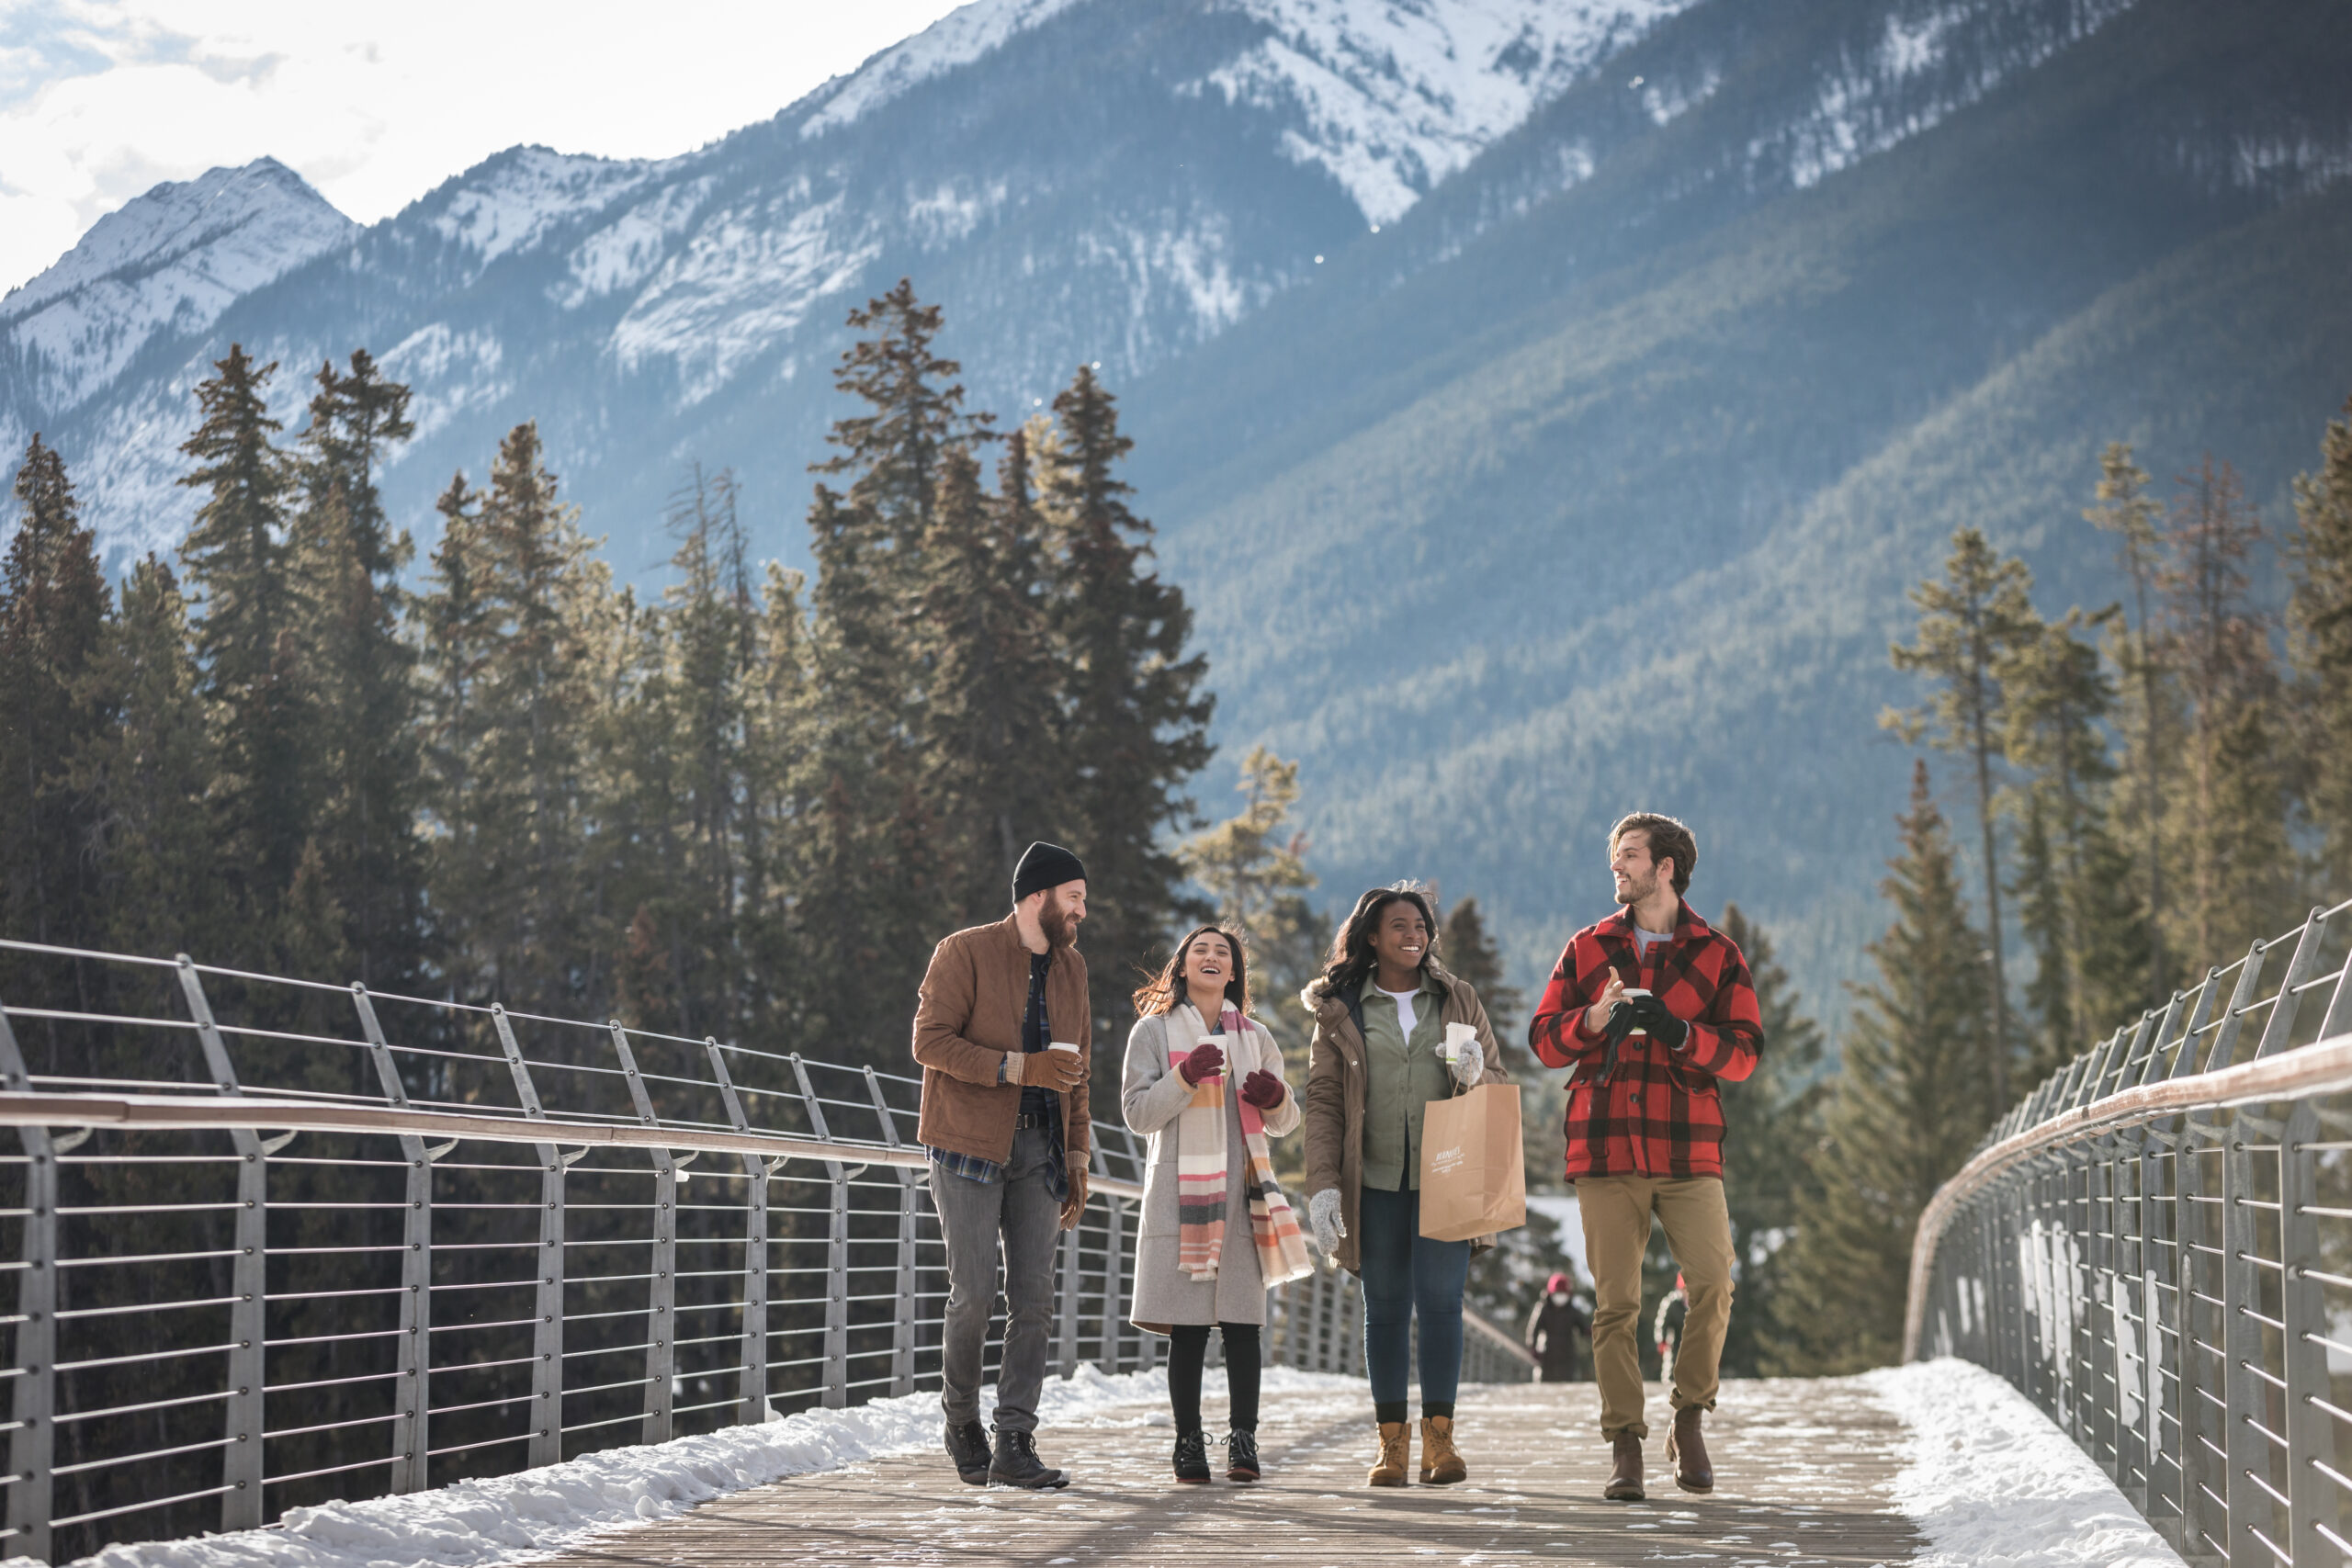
x,y
1336,1089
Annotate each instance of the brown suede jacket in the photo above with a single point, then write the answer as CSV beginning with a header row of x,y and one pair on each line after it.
x,y
968,1019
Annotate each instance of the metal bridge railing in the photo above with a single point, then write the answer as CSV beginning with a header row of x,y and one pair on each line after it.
x,y
276,1241
2156,1248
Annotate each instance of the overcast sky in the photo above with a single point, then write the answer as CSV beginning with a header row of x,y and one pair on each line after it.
x,y
377,103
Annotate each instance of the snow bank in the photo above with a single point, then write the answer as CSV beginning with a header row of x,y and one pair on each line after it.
x,y
540,1511
1991,1483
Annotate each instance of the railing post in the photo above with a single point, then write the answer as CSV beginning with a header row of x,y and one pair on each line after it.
x,y
1114,1274
902,1325
546,1339
32,1445
412,1360
2280,1024
836,1351
2310,1432
240,1461
752,1396
1065,1335
2241,1350
661,1297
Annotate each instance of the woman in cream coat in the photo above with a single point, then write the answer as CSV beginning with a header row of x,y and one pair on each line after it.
x,y
1195,1027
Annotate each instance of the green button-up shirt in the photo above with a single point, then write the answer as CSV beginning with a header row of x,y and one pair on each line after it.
x,y
1401,1076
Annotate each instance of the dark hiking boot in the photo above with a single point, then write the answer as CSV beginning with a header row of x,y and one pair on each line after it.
x,y
1625,1478
1241,1455
1016,1463
1192,1459
968,1445
1688,1451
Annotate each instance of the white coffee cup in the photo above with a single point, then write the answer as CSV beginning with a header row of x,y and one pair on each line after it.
x,y
1063,1045
1630,993
1460,1038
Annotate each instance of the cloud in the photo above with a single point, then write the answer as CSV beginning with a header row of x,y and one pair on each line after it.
x,y
100,99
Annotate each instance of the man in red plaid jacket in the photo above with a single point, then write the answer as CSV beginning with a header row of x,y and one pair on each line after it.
x,y
1654,1008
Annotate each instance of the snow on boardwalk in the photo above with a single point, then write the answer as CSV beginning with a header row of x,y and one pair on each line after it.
x,y
1937,1465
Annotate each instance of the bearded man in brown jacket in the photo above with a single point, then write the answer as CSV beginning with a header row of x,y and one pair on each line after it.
x,y
1005,1036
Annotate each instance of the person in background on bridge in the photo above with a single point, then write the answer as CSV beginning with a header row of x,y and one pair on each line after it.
x,y
1005,1034
1554,1328
1217,1232
1654,1009
1380,1008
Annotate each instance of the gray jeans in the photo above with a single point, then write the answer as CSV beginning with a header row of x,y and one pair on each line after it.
x,y
1019,1211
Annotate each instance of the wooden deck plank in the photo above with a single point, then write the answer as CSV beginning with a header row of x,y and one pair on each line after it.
x,y
1802,1469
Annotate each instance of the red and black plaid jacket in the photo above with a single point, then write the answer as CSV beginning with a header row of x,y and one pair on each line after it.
x,y
1658,1113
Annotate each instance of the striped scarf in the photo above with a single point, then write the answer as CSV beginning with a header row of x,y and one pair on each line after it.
x,y
1199,1182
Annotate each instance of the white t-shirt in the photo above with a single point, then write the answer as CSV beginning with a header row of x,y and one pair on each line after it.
x,y
1404,1000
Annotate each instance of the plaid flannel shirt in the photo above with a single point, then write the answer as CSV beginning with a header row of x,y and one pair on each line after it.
x,y
1658,1113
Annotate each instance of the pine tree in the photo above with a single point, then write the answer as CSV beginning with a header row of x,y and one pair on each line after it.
x,y
875,897
518,613
1906,1108
148,768
2125,508
1137,724
361,731
989,728
53,608
2226,819
1772,1123
238,573
2089,935
1968,624
1253,867
2320,642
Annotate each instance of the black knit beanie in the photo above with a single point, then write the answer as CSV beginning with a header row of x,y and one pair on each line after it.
x,y
1045,866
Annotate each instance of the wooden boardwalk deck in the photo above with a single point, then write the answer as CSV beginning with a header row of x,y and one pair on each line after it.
x,y
1802,1475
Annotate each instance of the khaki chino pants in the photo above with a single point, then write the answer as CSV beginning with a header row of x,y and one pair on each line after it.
x,y
1617,1212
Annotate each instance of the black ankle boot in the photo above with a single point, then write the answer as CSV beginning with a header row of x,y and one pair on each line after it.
x,y
968,1445
1241,1455
1016,1463
1191,1457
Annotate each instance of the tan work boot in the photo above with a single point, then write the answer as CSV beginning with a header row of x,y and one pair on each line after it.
x,y
1395,1442
1688,1451
1441,1460
1625,1479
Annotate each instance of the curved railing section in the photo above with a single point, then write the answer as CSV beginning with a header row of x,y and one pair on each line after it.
x,y
2155,1248
276,1241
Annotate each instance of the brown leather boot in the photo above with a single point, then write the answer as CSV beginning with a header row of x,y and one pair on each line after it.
x,y
1625,1479
1688,1451
1395,1442
1441,1460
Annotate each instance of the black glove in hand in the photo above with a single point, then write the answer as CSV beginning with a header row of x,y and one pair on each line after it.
x,y
1649,1015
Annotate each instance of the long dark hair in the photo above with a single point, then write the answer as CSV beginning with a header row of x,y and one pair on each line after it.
x,y
1350,958
1164,990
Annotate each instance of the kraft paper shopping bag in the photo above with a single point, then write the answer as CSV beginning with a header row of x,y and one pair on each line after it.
x,y
1473,1172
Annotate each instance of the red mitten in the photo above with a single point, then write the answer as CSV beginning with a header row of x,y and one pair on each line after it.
x,y
1262,1090
1204,1061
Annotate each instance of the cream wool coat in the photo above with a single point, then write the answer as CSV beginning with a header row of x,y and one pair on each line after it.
x,y
1152,1094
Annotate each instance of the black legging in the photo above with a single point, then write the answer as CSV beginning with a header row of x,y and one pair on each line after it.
x,y
1188,1347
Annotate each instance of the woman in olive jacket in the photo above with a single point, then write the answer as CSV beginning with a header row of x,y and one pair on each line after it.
x,y
1380,1008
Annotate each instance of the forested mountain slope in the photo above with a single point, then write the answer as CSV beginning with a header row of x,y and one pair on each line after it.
x,y
1640,538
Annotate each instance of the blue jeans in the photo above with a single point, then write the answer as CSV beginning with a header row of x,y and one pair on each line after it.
x,y
1404,1271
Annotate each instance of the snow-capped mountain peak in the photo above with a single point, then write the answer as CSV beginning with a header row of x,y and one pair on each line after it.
x,y
1396,95
959,37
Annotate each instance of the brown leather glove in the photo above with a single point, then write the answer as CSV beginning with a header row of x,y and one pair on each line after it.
x,y
1074,1207
1052,1070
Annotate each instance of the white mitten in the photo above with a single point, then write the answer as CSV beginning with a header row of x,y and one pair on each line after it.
x,y
1323,1216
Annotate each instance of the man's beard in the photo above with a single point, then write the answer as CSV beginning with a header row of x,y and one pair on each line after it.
x,y
1637,891
1054,921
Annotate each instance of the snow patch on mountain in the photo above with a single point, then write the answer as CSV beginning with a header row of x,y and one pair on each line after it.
x,y
1914,79
510,201
959,37
448,372
625,252
172,259
743,283
1396,97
